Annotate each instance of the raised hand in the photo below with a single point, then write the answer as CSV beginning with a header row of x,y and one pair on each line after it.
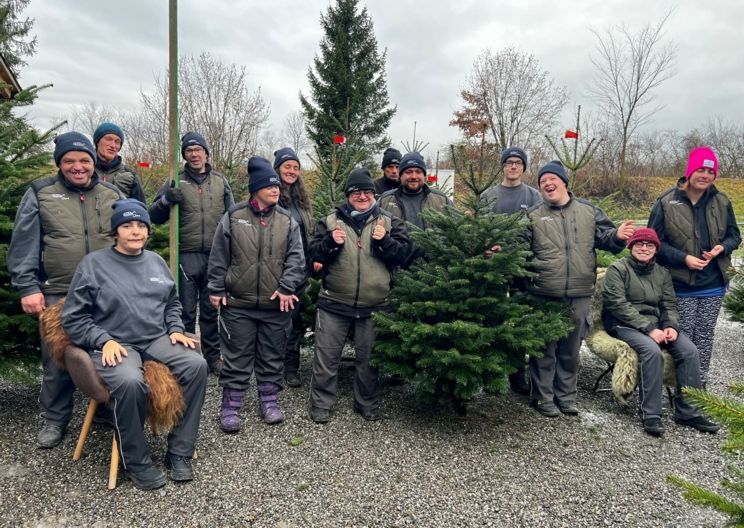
x,y
379,231
339,235
625,231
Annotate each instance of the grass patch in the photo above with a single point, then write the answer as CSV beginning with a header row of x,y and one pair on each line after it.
x,y
24,368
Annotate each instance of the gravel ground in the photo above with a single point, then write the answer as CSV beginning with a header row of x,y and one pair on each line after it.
x,y
501,465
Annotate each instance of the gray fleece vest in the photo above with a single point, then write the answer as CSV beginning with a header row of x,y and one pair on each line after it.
x,y
433,200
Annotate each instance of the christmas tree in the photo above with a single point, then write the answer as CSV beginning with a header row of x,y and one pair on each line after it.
x,y
458,324
734,300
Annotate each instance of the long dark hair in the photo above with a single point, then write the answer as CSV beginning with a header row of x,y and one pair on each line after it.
x,y
295,193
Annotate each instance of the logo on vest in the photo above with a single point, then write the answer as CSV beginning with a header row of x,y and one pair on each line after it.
x,y
61,196
393,204
157,279
546,218
186,182
676,202
245,222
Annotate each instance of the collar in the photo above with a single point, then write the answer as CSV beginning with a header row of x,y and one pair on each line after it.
x,y
641,267
108,166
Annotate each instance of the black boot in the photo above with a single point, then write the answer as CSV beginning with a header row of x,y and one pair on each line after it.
x,y
518,382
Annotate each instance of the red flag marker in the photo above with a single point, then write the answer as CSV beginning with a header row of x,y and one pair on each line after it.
x,y
145,164
431,177
339,140
571,135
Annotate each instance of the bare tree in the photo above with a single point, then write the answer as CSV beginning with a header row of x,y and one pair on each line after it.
x,y
629,66
511,95
87,117
294,134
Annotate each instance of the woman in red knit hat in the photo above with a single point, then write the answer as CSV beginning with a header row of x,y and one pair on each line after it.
x,y
697,228
640,308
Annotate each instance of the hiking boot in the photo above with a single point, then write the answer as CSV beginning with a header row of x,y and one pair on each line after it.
x,y
149,478
215,367
547,409
232,401
268,396
569,408
104,415
371,416
180,467
653,426
319,415
700,423
50,436
518,383
293,379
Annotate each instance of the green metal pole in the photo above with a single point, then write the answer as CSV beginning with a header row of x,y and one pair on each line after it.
x,y
174,150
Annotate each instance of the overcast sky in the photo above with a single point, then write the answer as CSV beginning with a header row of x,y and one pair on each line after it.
x,y
106,51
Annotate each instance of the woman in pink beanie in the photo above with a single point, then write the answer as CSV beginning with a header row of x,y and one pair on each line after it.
x,y
697,228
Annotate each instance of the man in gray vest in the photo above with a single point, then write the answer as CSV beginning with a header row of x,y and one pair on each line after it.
x,y
513,196
413,196
108,139
563,236
203,195
59,220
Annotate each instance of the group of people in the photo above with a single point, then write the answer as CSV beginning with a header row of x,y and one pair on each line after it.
x,y
244,268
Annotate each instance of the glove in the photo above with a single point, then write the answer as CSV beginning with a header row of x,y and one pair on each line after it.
x,y
173,195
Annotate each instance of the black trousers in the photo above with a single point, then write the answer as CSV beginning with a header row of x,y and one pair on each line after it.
x,y
193,292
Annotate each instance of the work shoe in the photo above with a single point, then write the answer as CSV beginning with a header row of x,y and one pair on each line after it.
x,y
50,436
149,478
568,408
215,367
232,401
180,467
653,426
700,423
319,415
547,409
104,415
293,379
518,383
371,416
268,405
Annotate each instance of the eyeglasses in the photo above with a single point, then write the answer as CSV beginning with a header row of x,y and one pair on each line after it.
x,y
643,244
357,194
517,163
194,150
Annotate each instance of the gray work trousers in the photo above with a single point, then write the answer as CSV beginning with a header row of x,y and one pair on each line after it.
x,y
252,339
553,376
129,398
57,388
650,385
330,336
193,291
292,347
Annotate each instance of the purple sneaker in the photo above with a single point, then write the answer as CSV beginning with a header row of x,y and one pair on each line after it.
x,y
232,401
268,395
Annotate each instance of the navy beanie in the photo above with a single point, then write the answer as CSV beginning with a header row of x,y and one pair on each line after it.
x,y
261,174
107,128
70,141
412,160
391,156
285,154
193,139
129,210
359,180
514,152
554,167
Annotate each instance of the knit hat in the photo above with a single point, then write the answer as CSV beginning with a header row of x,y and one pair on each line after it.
x,y
193,139
129,210
412,160
70,141
359,180
645,234
285,154
107,128
702,157
553,167
514,152
261,174
391,156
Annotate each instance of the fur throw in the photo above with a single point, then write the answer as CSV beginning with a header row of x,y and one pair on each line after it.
x,y
50,325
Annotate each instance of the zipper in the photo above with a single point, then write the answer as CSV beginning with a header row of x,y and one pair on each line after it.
x,y
359,268
260,250
98,214
85,223
201,207
271,239
568,252
576,229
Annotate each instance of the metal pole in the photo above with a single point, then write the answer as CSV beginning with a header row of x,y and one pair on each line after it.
x,y
173,151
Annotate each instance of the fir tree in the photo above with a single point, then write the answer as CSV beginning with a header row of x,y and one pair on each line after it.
x,y
348,82
458,325
734,301
730,413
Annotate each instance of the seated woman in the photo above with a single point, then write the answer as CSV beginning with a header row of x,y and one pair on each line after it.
x,y
123,308
640,308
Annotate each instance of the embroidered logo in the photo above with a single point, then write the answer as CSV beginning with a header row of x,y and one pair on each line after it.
x,y
157,279
79,144
61,196
546,218
132,214
676,202
187,182
244,222
709,164
393,204
274,180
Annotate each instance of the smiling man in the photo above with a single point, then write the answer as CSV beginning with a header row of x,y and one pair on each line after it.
x,y
59,221
563,236
204,195
412,197
108,139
